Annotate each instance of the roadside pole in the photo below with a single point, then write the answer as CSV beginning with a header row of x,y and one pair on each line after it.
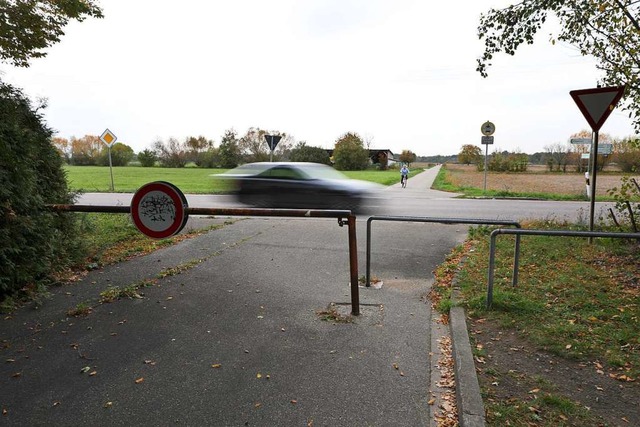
x,y
108,138
487,130
592,179
596,105
110,167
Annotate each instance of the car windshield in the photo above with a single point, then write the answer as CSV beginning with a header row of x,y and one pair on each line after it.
x,y
249,169
319,171
285,170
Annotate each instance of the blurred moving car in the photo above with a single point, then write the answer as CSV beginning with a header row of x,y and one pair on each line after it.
x,y
298,185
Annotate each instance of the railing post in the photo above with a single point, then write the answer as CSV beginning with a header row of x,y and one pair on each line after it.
x,y
492,261
516,261
368,278
353,265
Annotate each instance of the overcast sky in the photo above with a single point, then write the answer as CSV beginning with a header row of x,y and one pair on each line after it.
x,y
400,73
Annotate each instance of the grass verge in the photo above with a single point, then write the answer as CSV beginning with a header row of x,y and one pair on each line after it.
x,y
108,239
190,180
128,179
575,300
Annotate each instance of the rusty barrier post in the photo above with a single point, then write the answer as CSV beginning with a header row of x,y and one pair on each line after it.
x,y
353,265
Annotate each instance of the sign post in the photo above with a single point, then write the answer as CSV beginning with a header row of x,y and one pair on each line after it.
x,y
272,142
596,106
487,130
109,139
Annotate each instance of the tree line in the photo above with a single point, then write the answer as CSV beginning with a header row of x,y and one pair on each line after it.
x,y
558,157
349,152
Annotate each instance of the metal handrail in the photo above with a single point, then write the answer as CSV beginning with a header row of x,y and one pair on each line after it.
x,y
441,221
521,232
299,213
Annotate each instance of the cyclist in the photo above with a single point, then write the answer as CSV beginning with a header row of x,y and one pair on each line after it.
x,y
404,174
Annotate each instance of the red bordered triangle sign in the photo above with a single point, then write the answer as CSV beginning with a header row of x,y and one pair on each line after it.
x,y
597,104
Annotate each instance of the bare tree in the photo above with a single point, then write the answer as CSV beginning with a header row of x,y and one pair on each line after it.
x,y
557,156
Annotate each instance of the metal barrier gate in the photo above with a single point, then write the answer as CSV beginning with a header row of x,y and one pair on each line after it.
x,y
299,213
441,221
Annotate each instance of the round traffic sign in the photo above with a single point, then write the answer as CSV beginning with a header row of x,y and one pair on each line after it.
x,y
158,209
488,128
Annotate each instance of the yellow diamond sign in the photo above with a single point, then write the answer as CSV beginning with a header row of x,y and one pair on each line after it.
x,y
108,137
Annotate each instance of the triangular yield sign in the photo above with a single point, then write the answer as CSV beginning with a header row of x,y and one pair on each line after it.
x,y
597,104
272,141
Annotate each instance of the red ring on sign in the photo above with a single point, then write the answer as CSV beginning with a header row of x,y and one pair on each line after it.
x,y
179,204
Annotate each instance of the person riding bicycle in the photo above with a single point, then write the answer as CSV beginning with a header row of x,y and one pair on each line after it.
x,y
404,174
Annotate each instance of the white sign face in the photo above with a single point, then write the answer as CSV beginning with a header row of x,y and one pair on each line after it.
x,y
157,211
108,138
597,104
488,128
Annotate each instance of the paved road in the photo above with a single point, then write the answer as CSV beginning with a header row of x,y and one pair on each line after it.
x,y
238,338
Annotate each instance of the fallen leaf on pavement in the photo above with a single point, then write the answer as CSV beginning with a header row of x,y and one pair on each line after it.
x,y
139,380
216,365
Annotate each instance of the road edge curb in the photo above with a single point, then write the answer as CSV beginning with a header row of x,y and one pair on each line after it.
x,y
471,411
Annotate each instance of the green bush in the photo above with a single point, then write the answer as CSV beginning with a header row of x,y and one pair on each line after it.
x,y
147,158
305,153
35,242
349,153
121,155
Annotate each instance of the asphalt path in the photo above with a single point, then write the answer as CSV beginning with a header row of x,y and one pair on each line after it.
x,y
248,332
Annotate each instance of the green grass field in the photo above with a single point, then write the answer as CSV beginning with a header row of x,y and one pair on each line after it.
x,y
189,180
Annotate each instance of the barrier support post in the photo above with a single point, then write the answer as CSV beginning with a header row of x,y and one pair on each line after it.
x,y
353,266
